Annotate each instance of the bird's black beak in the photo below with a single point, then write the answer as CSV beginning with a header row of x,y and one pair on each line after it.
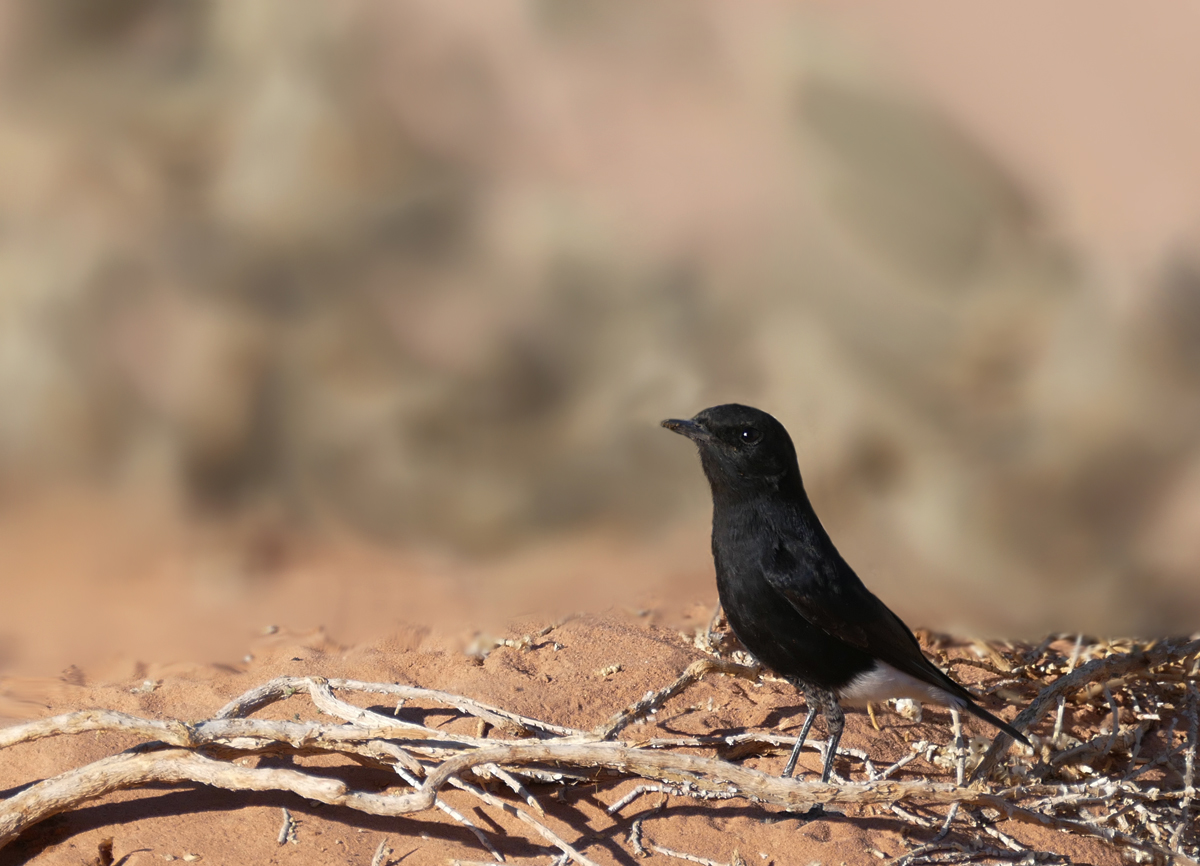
x,y
690,429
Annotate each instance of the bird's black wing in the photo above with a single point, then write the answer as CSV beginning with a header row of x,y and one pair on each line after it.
x,y
818,584
827,593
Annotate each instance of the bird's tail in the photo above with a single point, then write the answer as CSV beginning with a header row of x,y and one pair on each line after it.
x,y
979,711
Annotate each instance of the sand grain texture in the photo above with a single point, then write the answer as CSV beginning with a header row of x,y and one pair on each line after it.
x,y
576,675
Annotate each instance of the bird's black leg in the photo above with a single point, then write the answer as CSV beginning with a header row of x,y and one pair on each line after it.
x,y
808,723
826,702
835,721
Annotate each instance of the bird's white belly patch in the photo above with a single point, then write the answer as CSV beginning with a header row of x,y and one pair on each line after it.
x,y
883,681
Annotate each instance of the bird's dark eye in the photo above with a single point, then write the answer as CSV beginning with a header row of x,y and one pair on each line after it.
x,y
750,435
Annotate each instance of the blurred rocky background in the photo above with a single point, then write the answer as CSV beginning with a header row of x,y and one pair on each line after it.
x,y
427,274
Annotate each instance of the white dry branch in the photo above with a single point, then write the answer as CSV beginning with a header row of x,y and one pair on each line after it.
x,y
287,832
381,854
1103,799
1140,662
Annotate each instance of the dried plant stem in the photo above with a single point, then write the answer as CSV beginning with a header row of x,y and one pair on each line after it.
x,y
960,749
1189,773
282,688
176,733
1153,819
137,768
381,854
1062,699
1106,668
288,829
651,701
542,830
679,855
456,815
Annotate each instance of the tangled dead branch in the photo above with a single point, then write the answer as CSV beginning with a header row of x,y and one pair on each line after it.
x,y
1115,787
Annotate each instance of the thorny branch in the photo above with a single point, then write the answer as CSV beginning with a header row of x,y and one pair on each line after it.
x,y
1151,820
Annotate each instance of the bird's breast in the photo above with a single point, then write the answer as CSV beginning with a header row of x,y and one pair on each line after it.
x,y
779,636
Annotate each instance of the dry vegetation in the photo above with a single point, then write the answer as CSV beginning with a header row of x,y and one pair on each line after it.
x,y
1130,783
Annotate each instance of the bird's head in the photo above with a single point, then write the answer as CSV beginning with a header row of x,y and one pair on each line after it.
x,y
741,448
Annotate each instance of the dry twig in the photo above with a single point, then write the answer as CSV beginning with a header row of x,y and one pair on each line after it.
x,y
1116,665
1151,819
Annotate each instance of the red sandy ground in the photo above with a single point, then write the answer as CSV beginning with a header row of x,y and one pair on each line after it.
x,y
90,589
557,680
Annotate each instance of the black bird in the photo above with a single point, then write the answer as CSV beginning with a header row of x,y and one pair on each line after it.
x,y
789,596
